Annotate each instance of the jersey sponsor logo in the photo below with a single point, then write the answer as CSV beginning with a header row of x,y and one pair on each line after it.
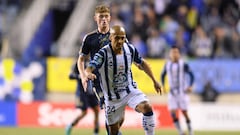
x,y
120,81
103,40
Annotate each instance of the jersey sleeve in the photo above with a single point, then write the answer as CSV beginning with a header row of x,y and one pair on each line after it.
x,y
85,50
136,57
188,71
163,74
97,60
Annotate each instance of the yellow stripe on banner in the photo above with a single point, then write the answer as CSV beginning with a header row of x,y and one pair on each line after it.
x,y
27,86
58,70
144,83
8,66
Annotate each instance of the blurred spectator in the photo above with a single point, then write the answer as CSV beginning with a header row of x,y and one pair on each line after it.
x,y
160,6
139,24
139,44
201,45
156,44
199,5
174,4
181,16
169,27
152,18
126,14
222,47
182,40
211,19
236,44
229,10
209,93
192,18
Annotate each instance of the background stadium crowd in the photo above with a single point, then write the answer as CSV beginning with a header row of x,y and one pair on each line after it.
x,y
201,28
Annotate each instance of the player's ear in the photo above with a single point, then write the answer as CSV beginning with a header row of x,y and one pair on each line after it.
x,y
95,17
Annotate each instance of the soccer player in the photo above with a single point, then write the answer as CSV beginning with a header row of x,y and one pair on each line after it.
x,y
83,101
114,65
92,42
176,69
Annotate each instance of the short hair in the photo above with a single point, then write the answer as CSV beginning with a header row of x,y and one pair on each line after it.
x,y
175,47
102,9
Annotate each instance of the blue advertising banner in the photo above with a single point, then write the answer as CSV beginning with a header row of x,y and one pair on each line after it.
x,y
7,114
18,80
223,74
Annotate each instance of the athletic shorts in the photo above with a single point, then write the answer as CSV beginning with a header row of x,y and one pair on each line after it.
x,y
114,110
178,102
85,99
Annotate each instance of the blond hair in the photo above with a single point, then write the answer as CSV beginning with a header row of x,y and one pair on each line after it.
x,y
102,9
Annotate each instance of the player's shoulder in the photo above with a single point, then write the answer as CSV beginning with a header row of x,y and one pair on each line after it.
x,y
90,34
183,62
167,62
129,45
94,32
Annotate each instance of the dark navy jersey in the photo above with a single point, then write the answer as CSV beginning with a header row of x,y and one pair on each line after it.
x,y
93,42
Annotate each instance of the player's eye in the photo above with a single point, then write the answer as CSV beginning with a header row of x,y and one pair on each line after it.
x,y
119,38
103,16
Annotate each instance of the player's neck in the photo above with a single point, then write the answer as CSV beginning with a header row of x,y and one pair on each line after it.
x,y
175,61
103,30
117,51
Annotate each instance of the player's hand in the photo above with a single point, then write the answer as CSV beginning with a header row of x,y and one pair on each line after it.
x,y
89,76
158,87
189,89
84,80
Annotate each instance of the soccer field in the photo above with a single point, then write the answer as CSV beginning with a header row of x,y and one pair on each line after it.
x,y
77,131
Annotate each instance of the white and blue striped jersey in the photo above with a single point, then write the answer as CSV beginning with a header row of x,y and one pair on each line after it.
x,y
115,70
176,76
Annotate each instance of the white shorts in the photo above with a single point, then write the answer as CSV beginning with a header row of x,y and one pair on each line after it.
x,y
178,102
114,110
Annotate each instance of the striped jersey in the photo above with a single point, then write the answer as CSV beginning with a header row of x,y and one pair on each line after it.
x,y
115,70
176,72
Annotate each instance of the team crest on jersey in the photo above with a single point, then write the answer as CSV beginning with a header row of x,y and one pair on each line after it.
x,y
121,67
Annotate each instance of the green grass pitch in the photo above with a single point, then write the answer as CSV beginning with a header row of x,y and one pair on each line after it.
x,y
79,131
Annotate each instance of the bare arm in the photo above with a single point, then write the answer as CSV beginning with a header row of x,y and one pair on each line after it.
x,y
146,68
80,64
